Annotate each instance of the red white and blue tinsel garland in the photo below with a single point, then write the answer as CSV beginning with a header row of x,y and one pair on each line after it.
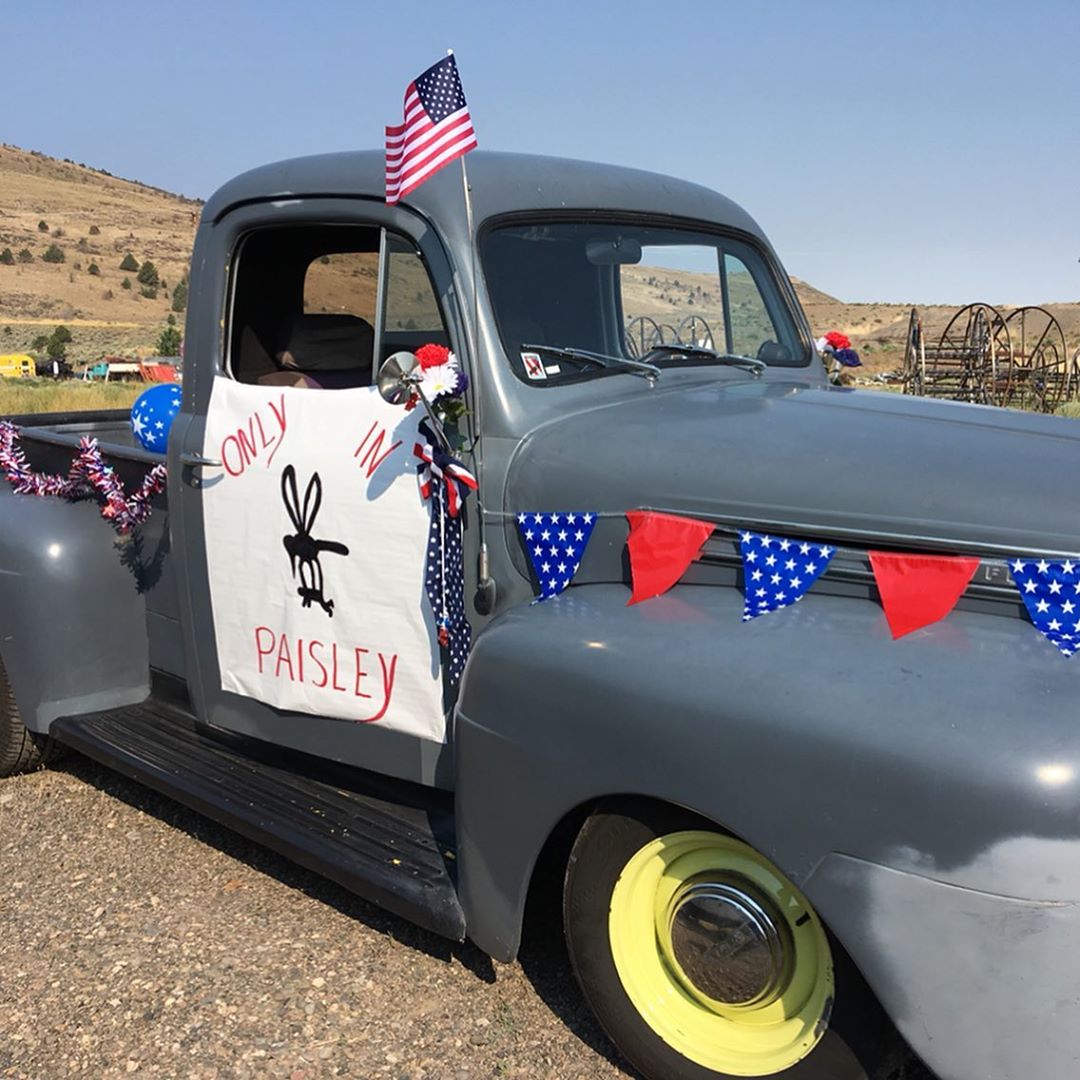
x,y
88,476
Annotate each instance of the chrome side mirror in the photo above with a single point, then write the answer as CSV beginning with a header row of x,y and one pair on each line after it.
x,y
399,379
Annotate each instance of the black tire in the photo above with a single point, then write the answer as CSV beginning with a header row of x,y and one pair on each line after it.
x,y
859,1044
20,750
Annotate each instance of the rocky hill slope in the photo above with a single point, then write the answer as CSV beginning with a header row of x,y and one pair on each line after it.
x,y
88,222
91,222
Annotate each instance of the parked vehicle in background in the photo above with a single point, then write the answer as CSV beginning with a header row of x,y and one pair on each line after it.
x,y
785,845
16,366
120,369
98,370
49,368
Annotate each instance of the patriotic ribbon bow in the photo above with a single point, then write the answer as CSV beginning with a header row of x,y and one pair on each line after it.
x,y
436,465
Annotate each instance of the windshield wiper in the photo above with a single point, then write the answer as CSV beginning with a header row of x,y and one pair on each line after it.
x,y
747,363
587,356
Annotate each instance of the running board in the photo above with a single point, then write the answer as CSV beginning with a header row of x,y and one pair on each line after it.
x,y
384,851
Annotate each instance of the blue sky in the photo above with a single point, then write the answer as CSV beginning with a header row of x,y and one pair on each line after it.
x,y
915,151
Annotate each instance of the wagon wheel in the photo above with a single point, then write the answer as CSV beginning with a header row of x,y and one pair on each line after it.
x,y
695,331
642,334
973,358
914,355
1040,359
668,335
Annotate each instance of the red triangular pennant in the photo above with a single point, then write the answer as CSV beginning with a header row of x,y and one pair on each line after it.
x,y
917,590
661,547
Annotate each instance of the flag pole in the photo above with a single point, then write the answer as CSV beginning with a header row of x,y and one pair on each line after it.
x,y
468,209
471,238
484,582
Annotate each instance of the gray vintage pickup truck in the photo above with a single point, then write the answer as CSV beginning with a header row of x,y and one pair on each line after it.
x,y
788,846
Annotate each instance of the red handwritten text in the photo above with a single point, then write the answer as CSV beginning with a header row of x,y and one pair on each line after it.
x,y
250,441
329,666
371,447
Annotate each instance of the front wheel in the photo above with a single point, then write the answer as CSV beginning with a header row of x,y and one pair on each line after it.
x,y
702,961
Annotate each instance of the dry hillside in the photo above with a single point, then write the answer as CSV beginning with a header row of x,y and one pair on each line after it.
x,y
97,219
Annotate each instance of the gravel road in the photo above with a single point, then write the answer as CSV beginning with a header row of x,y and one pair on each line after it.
x,y
138,939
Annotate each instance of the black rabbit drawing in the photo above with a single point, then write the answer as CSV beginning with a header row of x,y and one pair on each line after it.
x,y
303,549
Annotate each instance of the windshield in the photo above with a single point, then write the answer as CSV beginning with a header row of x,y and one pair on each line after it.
x,y
632,291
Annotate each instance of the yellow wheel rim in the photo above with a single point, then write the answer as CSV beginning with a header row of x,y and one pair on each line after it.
x,y
720,954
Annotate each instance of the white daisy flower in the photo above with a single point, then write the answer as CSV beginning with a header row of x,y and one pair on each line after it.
x,y
441,380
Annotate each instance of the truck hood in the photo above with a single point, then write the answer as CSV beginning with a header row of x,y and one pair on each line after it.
x,y
847,463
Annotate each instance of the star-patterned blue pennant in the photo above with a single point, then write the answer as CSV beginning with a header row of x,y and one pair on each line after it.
x,y
777,571
555,543
1051,593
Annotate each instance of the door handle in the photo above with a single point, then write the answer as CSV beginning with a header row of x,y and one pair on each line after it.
x,y
190,457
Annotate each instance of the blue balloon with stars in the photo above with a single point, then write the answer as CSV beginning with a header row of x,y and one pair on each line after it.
x,y
152,415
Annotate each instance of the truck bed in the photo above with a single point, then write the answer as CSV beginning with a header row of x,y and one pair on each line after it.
x,y
50,442
111,427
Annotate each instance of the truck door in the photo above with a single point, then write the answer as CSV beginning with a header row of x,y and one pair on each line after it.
x,y
305,534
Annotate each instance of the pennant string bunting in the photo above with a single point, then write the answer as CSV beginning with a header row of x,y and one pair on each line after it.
x,y
917,590
778,571
1051,594
556,544
661,548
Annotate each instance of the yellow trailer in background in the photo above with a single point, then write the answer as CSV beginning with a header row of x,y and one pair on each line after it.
x,y
17,366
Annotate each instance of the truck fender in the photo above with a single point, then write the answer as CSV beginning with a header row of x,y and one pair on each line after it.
x,y
804,733
72,623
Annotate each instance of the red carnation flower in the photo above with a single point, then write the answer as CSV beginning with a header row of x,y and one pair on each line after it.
x,y
432,355
838,340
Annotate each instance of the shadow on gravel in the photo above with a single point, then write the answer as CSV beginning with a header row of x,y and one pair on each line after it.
x,y
546,963
276,866
543,955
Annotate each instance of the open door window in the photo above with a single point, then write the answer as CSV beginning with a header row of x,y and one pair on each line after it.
x,y
320,306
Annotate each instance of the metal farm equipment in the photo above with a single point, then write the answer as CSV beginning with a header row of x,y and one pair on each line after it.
x,y
983,356
644,333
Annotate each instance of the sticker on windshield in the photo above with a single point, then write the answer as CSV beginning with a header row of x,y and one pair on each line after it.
x,y
534,366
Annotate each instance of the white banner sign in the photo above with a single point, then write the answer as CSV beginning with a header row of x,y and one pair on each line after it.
x,y
315,542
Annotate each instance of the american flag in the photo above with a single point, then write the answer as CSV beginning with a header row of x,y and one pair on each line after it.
x,y
777,571
436,131
555,543
1051,592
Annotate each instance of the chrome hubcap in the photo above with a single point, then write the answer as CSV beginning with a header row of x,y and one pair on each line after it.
x,y
727,946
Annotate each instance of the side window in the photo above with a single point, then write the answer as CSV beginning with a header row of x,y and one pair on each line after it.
x,y
305,306
410,299
345,283
751,324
